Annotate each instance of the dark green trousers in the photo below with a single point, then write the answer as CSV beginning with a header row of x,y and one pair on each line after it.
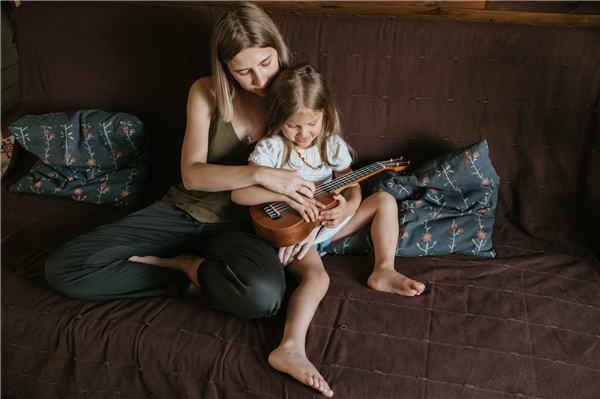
x,y
242,274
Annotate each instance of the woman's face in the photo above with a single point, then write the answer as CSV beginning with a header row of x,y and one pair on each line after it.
x,y
255,69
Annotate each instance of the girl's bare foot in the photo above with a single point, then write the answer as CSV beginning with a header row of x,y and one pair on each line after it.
x,y
296,364
186,263
389,280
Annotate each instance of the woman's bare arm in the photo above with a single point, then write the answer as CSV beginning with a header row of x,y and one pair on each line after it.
x,y
254,195
197,174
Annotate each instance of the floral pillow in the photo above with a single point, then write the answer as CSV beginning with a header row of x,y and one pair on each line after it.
x,y
89,156
445,206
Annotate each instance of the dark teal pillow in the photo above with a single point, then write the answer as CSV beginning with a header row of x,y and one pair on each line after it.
x,y
445,206
88,155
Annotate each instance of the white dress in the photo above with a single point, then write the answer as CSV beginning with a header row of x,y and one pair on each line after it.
x,y
270,152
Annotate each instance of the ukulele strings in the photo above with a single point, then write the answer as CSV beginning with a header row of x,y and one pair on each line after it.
x,y
334,184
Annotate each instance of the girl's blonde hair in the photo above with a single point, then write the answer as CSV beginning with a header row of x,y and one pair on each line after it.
x,y
297,90
244,26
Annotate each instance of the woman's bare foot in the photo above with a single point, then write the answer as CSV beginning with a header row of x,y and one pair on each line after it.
x,y
186,263
389,280
296,364
183,262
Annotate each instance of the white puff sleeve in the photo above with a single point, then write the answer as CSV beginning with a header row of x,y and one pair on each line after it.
x,y
339,154
268,152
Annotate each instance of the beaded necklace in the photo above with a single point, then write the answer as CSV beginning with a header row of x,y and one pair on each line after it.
x,y
306,162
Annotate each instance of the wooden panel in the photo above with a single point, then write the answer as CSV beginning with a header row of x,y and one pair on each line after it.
x,y
554,13
564,7
572,14
471,5
369,7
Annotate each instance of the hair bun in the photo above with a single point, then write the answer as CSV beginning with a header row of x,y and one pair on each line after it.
x,y
307,68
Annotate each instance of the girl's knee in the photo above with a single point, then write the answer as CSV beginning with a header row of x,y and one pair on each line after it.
x,y
320,281
383,197
384,201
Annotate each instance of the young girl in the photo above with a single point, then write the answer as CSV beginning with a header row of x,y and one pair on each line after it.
x,y
196,222
303,133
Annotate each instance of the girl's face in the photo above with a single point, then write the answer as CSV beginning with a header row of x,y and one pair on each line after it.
x,y
303,128
255,69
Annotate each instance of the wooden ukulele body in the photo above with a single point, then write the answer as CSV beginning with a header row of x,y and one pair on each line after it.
x,y
291,228
282,226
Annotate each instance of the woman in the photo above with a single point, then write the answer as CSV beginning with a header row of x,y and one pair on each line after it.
x,y
202,243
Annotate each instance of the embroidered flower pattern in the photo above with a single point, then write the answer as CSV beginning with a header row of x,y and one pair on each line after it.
x,y
67,135
21,136
449,209
426,240
454,232
77,195
91,156
103,189
128,132
91,162
47,136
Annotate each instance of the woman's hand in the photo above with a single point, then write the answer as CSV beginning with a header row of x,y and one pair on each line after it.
x,y
288,254
288,183
309,210
334,216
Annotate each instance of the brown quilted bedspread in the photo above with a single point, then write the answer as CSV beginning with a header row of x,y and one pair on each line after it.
x,y
523,324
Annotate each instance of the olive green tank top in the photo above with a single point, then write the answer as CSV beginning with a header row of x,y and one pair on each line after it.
x,y
224,148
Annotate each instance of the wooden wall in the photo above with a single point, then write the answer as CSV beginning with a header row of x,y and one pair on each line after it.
x,y
556,13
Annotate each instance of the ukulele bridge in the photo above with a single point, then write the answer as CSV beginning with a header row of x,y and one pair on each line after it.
x,y
272,212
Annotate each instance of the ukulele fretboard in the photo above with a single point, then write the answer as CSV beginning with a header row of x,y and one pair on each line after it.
x,y
274,210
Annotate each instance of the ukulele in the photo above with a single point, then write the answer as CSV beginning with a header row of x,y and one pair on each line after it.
x,y
282,226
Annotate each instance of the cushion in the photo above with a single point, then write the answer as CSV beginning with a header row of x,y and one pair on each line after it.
x,y
88,155
445,206
6,152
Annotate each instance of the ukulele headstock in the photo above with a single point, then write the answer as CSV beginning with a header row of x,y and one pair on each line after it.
x,y
395,164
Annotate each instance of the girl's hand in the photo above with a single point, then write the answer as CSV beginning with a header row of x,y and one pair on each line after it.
x,y
288,183
333,217
309,211
288,254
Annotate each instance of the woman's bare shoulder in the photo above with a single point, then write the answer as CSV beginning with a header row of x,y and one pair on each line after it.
x,y
204,84
202,94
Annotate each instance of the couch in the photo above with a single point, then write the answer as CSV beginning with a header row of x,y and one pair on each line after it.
x,y
525,323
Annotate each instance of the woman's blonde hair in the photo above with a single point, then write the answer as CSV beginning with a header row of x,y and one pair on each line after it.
x,y
297,90
244,26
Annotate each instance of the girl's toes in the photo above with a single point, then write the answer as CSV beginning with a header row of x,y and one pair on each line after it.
x,y
310,380
317,383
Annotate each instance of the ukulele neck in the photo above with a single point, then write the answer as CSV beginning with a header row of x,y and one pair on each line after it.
x,y
337,185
